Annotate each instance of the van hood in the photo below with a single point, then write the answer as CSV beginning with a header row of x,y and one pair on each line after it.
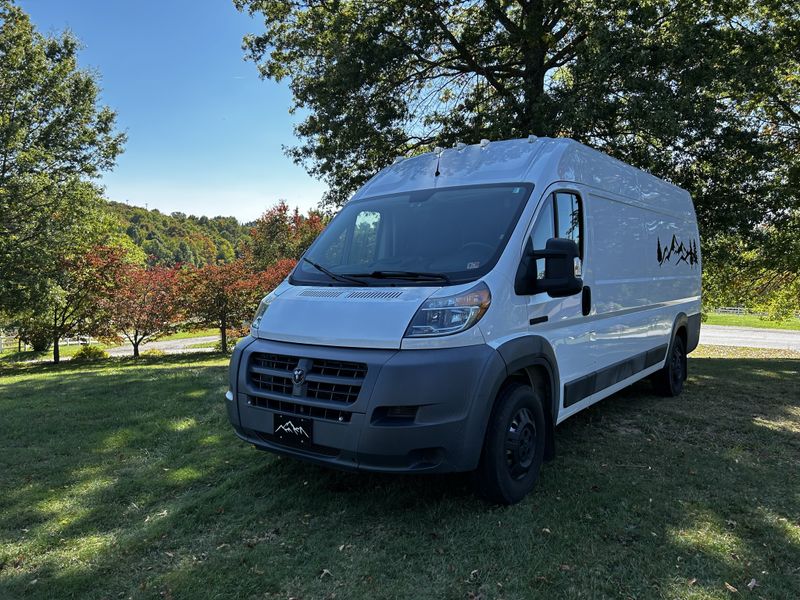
x,y
356,317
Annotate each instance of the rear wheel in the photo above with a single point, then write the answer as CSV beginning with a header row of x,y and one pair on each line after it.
x,y
669,380
514,446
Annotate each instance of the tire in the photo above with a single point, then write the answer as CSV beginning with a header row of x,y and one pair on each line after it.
x,y
669,380
513,448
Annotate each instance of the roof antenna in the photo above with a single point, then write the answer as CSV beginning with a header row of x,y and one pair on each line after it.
x,y
438,152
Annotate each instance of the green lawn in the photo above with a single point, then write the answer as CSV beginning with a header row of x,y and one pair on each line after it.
x,y
124,480
182,335
10,355
750,321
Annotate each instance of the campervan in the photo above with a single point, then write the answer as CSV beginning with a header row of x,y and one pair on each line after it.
x,y
466,301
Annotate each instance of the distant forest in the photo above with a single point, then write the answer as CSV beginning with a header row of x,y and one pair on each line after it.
x,y
178,238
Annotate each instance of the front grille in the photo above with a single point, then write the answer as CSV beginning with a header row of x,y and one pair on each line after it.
x,y
332,392
338,368
279,362
302,410
271,383
326,380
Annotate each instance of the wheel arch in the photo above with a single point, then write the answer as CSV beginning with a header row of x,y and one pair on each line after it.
x,y
530,359
680,327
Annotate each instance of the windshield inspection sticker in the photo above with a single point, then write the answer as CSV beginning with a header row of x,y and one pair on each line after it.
x,y
473,265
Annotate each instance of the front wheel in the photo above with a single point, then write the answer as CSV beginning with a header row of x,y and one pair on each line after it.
x,y
669,380
514,446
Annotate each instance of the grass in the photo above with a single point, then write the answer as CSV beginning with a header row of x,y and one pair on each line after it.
x,y
750,321
123,479
182,335
10,355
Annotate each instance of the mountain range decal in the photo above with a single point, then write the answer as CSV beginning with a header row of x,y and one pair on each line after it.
x,y
290,427
677,252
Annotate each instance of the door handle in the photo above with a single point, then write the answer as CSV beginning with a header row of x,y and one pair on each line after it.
x,y
586,300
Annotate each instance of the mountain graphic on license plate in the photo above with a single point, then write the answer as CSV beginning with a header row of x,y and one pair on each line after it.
x,y
293,430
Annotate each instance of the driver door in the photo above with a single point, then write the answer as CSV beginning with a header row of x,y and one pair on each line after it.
x,y
564,322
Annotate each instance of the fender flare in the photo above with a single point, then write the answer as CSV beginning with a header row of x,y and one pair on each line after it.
x,y
681,320
533,351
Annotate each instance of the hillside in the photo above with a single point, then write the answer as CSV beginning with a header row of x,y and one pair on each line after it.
x,y
179,238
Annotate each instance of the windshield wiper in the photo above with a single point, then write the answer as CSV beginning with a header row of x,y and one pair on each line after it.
x,y
333,275
409,275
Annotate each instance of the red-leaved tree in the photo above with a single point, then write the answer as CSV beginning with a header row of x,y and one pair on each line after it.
x,y
226,296
282,233
146,303
77,293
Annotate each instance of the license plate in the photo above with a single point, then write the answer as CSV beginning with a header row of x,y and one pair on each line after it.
x,y
293,430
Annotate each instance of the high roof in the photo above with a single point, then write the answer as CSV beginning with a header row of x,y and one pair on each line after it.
x,y
540,161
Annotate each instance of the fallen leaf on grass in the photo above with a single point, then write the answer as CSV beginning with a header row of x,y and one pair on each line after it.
x,y
753,584
565,567
693,580
730,588
325,573
546,530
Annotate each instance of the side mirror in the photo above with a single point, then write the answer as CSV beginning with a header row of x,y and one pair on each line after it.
x,y
560,277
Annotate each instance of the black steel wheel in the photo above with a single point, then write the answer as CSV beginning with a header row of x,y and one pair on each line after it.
x,y
514,446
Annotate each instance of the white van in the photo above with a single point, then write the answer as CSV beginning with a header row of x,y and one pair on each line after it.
x,y
465,302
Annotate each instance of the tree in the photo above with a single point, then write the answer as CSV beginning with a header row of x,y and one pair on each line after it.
x,y
281,233
145,303
761,273
54,140
77,295
225,296
700,93
178,239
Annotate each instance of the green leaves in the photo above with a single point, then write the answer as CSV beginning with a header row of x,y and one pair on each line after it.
x,y
686,90
54,140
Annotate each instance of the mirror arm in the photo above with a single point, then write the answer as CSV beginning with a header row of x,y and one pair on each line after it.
x,y
537,254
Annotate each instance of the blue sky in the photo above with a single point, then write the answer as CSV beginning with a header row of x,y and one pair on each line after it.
x,y
204,132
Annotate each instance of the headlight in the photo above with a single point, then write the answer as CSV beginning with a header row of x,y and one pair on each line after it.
x,y
262,308
451,314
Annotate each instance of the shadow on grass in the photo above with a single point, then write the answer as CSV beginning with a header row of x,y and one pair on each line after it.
x,y
124,478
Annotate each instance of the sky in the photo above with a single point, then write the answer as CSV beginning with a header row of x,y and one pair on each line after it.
x,y
205,133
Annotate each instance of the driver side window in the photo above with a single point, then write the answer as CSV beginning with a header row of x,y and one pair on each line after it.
x,y
543,231
560,217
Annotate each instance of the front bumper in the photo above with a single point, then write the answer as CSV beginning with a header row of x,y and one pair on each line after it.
x,y
405,411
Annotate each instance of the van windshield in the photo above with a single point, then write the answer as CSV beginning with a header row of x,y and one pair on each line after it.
x,y
427,237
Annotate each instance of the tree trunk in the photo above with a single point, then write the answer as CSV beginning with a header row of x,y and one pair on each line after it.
x,y
223,335
56,354
136,349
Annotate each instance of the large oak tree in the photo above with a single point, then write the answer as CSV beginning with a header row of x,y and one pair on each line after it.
x,y
701,93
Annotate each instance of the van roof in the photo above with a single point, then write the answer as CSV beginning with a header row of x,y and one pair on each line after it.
x,y
530,160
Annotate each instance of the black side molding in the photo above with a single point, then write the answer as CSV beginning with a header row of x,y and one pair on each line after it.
x,y
577,390
537,320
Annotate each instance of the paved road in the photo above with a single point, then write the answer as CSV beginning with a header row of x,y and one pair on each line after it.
x,y
167,346
722,335
783,339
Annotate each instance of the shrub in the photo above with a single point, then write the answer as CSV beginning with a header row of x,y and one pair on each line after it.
x,y
228,346
89,353
154,352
